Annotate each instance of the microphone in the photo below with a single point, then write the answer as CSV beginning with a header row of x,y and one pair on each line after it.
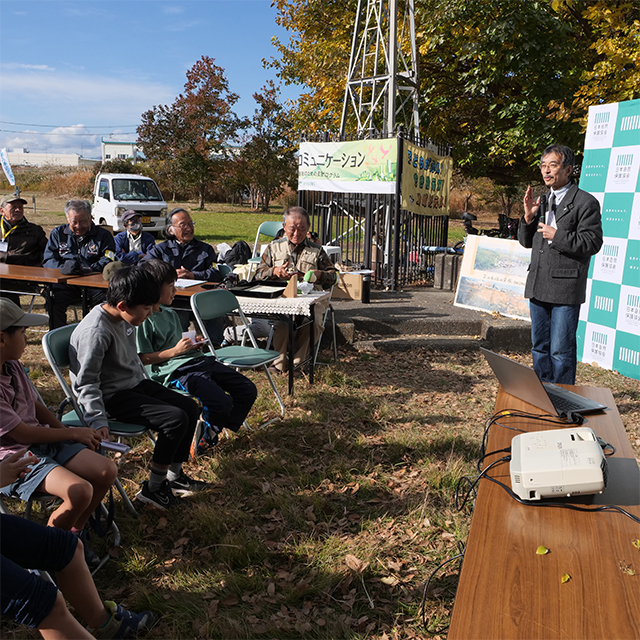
x,y
543,207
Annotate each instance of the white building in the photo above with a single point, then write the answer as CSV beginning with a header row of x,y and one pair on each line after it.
x,y
26,159
115,150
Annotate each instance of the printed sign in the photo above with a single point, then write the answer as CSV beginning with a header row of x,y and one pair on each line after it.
x,y
426,177
609,325
356,166
493,275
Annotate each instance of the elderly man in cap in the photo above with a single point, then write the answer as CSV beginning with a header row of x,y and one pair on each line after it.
x,y
22,241
77,248
132,243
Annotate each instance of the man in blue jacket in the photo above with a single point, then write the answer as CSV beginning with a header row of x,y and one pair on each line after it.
x,y
132,243
192,259
563,229
76,248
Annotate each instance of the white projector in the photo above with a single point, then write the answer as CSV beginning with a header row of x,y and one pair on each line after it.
x,y
557,463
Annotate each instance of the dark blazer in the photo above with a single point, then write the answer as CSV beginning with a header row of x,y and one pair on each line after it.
x,y
558,271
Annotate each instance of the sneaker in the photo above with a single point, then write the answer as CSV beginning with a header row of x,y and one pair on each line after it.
x,y
90,556
207,437
163,498
184,485
123,623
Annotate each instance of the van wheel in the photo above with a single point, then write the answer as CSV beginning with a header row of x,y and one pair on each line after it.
x,y
102,221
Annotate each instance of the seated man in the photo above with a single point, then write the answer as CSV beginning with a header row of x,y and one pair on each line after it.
x,y
28,599
295,254
22,242
191,259
76,248
108,379
132,243
226,394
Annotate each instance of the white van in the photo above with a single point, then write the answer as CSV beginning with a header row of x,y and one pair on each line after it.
x,y
115,193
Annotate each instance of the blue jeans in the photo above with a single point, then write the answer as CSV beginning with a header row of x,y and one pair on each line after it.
x,y
553,338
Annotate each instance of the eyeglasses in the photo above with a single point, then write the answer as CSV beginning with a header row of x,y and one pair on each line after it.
x,y
185,225
550,165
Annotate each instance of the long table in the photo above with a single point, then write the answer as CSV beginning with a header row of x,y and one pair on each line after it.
x,y
39,276
283,309
508,591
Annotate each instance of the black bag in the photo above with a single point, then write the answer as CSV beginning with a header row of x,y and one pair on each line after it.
x,y
238,254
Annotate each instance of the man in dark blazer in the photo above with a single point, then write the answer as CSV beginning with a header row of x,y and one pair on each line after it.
x,y
563,230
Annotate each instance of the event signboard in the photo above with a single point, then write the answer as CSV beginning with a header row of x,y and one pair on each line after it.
x,y
609,326
426,179
355,166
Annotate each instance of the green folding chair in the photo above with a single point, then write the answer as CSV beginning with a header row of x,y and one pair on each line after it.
x,y
56,349
270,229
219,303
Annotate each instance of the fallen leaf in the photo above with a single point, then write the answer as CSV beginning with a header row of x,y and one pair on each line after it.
x,y
213,608
636,543
390,580
542,550
565,578
627,568
354,564
271,589
229,601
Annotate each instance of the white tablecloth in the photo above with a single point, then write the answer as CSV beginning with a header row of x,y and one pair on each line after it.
x,y
298,306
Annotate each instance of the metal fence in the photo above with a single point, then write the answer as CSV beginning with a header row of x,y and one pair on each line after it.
x,y
374,233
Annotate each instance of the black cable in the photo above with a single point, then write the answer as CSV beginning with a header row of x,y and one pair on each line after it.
x,y
562,505
460,555
475,481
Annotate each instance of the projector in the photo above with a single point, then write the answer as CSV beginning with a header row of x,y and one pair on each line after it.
x,y
557,463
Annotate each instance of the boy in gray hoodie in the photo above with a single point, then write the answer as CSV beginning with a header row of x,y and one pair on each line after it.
x,y
108,379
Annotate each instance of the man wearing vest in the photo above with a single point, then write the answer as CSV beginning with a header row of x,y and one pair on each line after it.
x,y
563,230
293,254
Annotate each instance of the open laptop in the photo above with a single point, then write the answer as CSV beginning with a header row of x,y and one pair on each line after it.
x,y
523,383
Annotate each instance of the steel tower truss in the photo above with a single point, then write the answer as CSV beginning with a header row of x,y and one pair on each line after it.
x,y
382,84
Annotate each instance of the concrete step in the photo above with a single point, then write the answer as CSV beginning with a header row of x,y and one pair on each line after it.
x,y
432,343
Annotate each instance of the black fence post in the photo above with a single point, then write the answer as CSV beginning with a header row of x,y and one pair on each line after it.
x,y
396,215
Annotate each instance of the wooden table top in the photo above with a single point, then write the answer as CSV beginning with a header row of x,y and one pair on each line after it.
x,y
508,591
32,274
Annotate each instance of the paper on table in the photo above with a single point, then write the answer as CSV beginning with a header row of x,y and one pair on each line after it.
x,y
183,283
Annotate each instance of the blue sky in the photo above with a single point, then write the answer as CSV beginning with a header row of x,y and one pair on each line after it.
x,y
90,68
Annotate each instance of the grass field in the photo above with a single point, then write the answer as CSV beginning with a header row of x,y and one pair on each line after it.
x,y
327,524
217,223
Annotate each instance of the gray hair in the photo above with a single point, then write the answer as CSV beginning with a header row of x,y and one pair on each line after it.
x,y
79,206
169,221
566,153
296,211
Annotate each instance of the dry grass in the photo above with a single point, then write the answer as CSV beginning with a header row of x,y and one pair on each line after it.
x,y
327,524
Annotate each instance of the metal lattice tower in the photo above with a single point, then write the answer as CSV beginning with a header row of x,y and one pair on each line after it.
x,y
382,83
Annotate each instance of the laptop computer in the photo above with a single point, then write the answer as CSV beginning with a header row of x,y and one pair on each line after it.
x,y
523,383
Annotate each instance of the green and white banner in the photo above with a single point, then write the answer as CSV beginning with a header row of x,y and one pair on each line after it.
x,y
357,166
609,327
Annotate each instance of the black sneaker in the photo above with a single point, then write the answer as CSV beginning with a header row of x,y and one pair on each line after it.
x,y
162,498
185,486
123,623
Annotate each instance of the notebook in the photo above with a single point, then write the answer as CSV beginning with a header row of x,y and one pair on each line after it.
x,y
523,383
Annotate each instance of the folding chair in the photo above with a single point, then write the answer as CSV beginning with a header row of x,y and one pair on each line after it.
x,y
56,349
218,303
269,228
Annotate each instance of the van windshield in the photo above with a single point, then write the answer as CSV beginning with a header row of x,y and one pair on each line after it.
x,y
128,189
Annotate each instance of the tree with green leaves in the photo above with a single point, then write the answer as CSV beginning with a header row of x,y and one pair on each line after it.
x,y
196,130
269,151
499,79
